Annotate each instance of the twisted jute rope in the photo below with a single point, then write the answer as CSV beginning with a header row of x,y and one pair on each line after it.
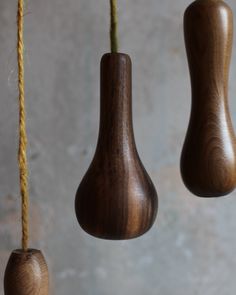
x,y
22,156
114,27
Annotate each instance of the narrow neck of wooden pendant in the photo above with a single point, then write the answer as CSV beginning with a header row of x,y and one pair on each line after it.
x,y
116,101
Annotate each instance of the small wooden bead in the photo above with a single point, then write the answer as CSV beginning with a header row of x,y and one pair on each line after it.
x,y
26,274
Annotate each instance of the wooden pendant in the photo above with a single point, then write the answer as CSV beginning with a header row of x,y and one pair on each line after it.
x,y
208,162
116,198
26,274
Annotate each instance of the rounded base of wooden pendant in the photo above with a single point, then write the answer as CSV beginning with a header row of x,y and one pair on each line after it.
x,y
209,193
110,235
26,274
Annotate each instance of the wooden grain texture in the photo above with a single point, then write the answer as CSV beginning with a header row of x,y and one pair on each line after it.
x,y
26,274
208,160
116,198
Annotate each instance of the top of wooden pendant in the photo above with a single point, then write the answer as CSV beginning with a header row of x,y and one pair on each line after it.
x,y
26,274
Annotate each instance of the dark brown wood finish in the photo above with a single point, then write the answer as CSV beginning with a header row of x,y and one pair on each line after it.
x,y
116,198
208,162
26,274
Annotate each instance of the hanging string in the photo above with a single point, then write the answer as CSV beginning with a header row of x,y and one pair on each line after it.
x,y
114,26
22,157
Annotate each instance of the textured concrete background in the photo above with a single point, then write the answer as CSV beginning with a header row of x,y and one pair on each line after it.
x,y
191,248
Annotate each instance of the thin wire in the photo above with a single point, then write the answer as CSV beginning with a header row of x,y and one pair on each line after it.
x,y
114,27
22,156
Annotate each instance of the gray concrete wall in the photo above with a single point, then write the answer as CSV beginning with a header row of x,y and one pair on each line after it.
x,y
191,248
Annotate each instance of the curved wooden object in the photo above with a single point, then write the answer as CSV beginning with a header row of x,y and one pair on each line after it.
x,y
208,162
26,274
116,198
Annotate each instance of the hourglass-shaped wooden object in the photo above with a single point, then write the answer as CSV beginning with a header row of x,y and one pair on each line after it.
x,y
26,274
208,162
116,198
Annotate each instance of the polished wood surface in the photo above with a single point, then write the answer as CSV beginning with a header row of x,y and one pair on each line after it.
x,y
26,274
208,162
116,198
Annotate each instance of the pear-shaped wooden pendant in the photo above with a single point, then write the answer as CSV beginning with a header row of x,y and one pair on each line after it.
x,y
26,274
208,163
116,198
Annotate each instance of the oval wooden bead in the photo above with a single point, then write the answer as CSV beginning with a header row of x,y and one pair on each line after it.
x,y
116,198
208,162
26,274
